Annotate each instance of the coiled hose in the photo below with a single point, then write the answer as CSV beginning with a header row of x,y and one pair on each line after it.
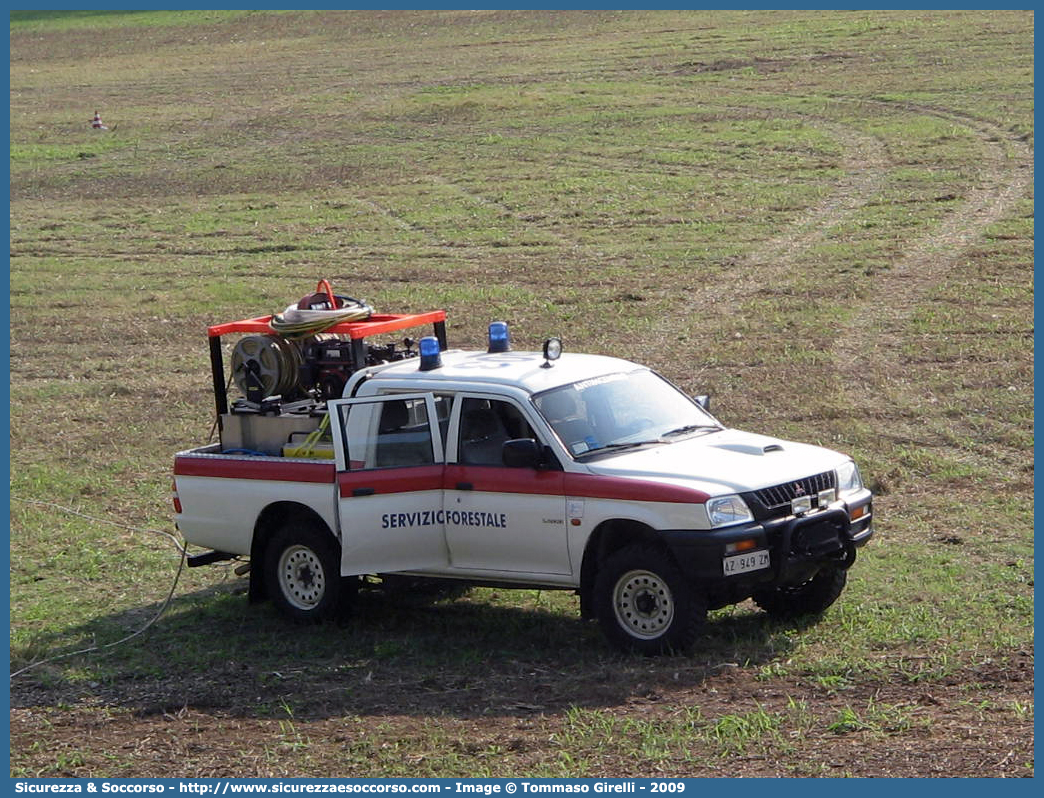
x,y
296,323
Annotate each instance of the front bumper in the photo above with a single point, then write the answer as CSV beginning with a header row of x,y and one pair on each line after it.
x,y
798,546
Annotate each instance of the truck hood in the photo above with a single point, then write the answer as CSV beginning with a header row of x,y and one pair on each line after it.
x,y
718,463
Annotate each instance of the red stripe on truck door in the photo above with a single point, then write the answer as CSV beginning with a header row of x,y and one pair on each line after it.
x,y
497,479
390,480
580,486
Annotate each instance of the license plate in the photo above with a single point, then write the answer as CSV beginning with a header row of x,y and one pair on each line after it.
x,y
742,563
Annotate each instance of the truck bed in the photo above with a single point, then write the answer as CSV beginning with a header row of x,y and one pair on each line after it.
x,y
223,495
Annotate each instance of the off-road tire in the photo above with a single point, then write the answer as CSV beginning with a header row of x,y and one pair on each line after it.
x,y
809,598
303,573
644,604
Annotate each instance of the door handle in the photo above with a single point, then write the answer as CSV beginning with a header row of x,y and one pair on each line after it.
x,y
363,491
465,486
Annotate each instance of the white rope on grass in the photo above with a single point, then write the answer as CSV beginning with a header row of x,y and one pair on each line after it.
x,y
166,603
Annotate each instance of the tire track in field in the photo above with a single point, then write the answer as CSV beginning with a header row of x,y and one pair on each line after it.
x,y
878,327
928,261
865,164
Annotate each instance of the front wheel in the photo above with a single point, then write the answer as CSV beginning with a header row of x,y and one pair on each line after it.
x,y
808,598
644,604
303,573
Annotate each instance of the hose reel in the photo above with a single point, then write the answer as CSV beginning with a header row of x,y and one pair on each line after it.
x,y
266,365
298,361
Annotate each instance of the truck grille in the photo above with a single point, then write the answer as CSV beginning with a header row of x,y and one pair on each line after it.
x,y
782,495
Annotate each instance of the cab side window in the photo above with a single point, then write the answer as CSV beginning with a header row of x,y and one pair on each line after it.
x,y
387,434
485,425
403,435
416,416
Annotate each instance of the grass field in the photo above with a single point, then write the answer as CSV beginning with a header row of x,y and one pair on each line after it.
x,y
823,219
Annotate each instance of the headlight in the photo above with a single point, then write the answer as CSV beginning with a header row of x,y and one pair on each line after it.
x,y
726,510
848,479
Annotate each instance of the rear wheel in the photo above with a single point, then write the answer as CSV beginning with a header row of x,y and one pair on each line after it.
x,y
644,604
303,573
808,598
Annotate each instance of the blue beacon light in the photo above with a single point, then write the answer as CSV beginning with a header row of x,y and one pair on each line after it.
x,y
499,337
430,355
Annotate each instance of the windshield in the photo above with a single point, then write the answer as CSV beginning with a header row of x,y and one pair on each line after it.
x,y
625,410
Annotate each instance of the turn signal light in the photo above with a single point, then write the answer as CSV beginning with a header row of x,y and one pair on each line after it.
x,y
741,545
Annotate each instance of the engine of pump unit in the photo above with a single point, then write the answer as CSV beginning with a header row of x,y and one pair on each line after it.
x,y
316,367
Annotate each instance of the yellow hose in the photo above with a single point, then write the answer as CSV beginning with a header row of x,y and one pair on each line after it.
x,y
314,437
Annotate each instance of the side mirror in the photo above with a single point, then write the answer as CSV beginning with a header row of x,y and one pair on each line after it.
x,y
703,400
523,453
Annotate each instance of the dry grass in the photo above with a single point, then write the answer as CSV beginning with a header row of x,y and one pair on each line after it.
x,y
825,220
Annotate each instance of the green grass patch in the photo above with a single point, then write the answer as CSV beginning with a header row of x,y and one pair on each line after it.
x,y
836,245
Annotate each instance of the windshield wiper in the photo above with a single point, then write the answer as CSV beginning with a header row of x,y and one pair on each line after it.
x,y
617,447
691,428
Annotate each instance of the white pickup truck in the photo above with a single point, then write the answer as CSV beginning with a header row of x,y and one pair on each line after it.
x,y
544,470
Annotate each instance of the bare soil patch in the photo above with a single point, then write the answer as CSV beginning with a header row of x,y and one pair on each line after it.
x,y
963,725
